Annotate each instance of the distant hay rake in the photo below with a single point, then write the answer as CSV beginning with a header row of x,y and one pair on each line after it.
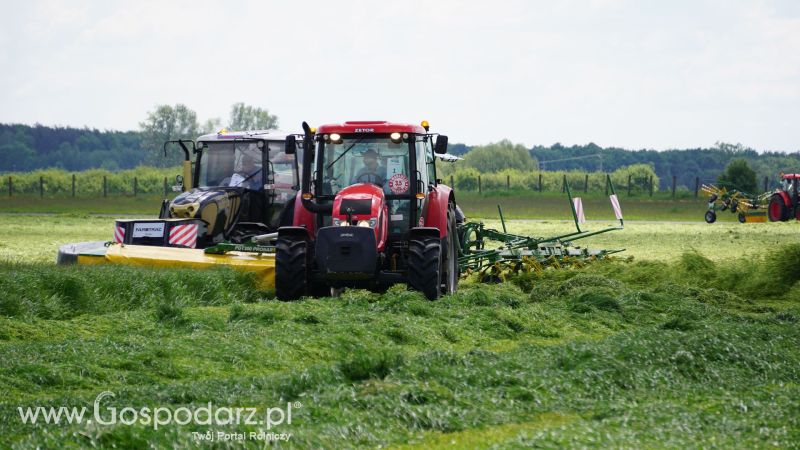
x,y
747,207
525,254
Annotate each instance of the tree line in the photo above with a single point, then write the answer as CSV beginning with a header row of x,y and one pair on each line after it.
x,y
25,148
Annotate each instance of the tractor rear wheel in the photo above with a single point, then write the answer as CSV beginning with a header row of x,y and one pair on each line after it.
x,y
777,210
424,266
450,246
711,216
291,273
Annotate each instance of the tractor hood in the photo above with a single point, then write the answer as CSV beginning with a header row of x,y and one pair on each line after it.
x,y
362,205
203,195
358,202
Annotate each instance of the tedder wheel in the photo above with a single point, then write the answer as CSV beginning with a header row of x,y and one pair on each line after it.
x,y
450,247
711,216
424,266
291,275
777,210
742,218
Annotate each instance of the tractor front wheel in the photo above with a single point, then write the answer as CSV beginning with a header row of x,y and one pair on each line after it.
x,y
711,216
742,218
291,273
777,210
424,266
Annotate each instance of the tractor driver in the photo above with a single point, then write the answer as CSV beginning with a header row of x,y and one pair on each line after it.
x,y
371,172
249,176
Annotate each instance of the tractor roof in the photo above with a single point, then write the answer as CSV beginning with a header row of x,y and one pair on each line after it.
x,y
791,176
224,135
371,126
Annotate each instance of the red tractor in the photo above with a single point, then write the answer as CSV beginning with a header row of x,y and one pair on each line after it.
x,y
370,213
784,204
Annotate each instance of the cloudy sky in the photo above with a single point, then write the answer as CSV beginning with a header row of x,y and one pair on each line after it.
x,y
636,74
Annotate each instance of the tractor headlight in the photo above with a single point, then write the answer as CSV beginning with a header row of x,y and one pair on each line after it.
x,y
340,223
396,137
368,223
363,223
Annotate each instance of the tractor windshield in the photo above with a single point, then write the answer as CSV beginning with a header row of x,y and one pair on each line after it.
x,y
375,160
236,164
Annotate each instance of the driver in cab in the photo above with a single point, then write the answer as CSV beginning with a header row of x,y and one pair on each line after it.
x,y
371,172
249,176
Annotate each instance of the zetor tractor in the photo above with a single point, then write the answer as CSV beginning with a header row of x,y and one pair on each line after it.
x,y
242,185
784,204
370,213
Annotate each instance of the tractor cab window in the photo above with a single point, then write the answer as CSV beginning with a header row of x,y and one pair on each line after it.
x,y
378,161
281,176
234,164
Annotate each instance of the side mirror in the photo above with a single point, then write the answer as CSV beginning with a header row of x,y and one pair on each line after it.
x,y
291,145
178,184
441,145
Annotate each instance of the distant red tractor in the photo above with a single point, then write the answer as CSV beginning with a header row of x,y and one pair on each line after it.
x,y
370,213
784,204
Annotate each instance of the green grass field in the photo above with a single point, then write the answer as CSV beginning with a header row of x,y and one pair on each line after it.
x,y
694,343
516,205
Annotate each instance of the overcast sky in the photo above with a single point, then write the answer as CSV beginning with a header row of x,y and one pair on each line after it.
x,y
637,74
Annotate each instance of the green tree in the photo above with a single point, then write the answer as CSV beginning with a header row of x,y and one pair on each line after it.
x,y
738,175
246,117
211,125
166,123
500,155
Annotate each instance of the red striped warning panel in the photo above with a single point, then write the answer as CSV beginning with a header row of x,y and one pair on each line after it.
x,y
578,204
615,205
119,234
183,235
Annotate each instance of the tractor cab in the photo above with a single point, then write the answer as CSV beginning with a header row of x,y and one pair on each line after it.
x,y
392,161
784,204
240,185
369,199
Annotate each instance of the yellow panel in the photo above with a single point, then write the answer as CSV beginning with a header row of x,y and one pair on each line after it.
x,y
149,256
88,260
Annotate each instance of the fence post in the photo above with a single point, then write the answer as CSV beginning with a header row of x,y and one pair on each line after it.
x,y
696,186
105,186
41,187
651,185
540,181
606,178
629,185
508,181
135,186
674,180
452,185
166,193
73,185
479,184
564,185
766,184
586,183
10,186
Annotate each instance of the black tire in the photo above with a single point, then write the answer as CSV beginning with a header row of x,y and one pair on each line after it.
x,y
777,210
450,269
742,218
711,216
291,268
424,266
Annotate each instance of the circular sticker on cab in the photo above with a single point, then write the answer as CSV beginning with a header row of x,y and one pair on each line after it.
x,y
398,184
